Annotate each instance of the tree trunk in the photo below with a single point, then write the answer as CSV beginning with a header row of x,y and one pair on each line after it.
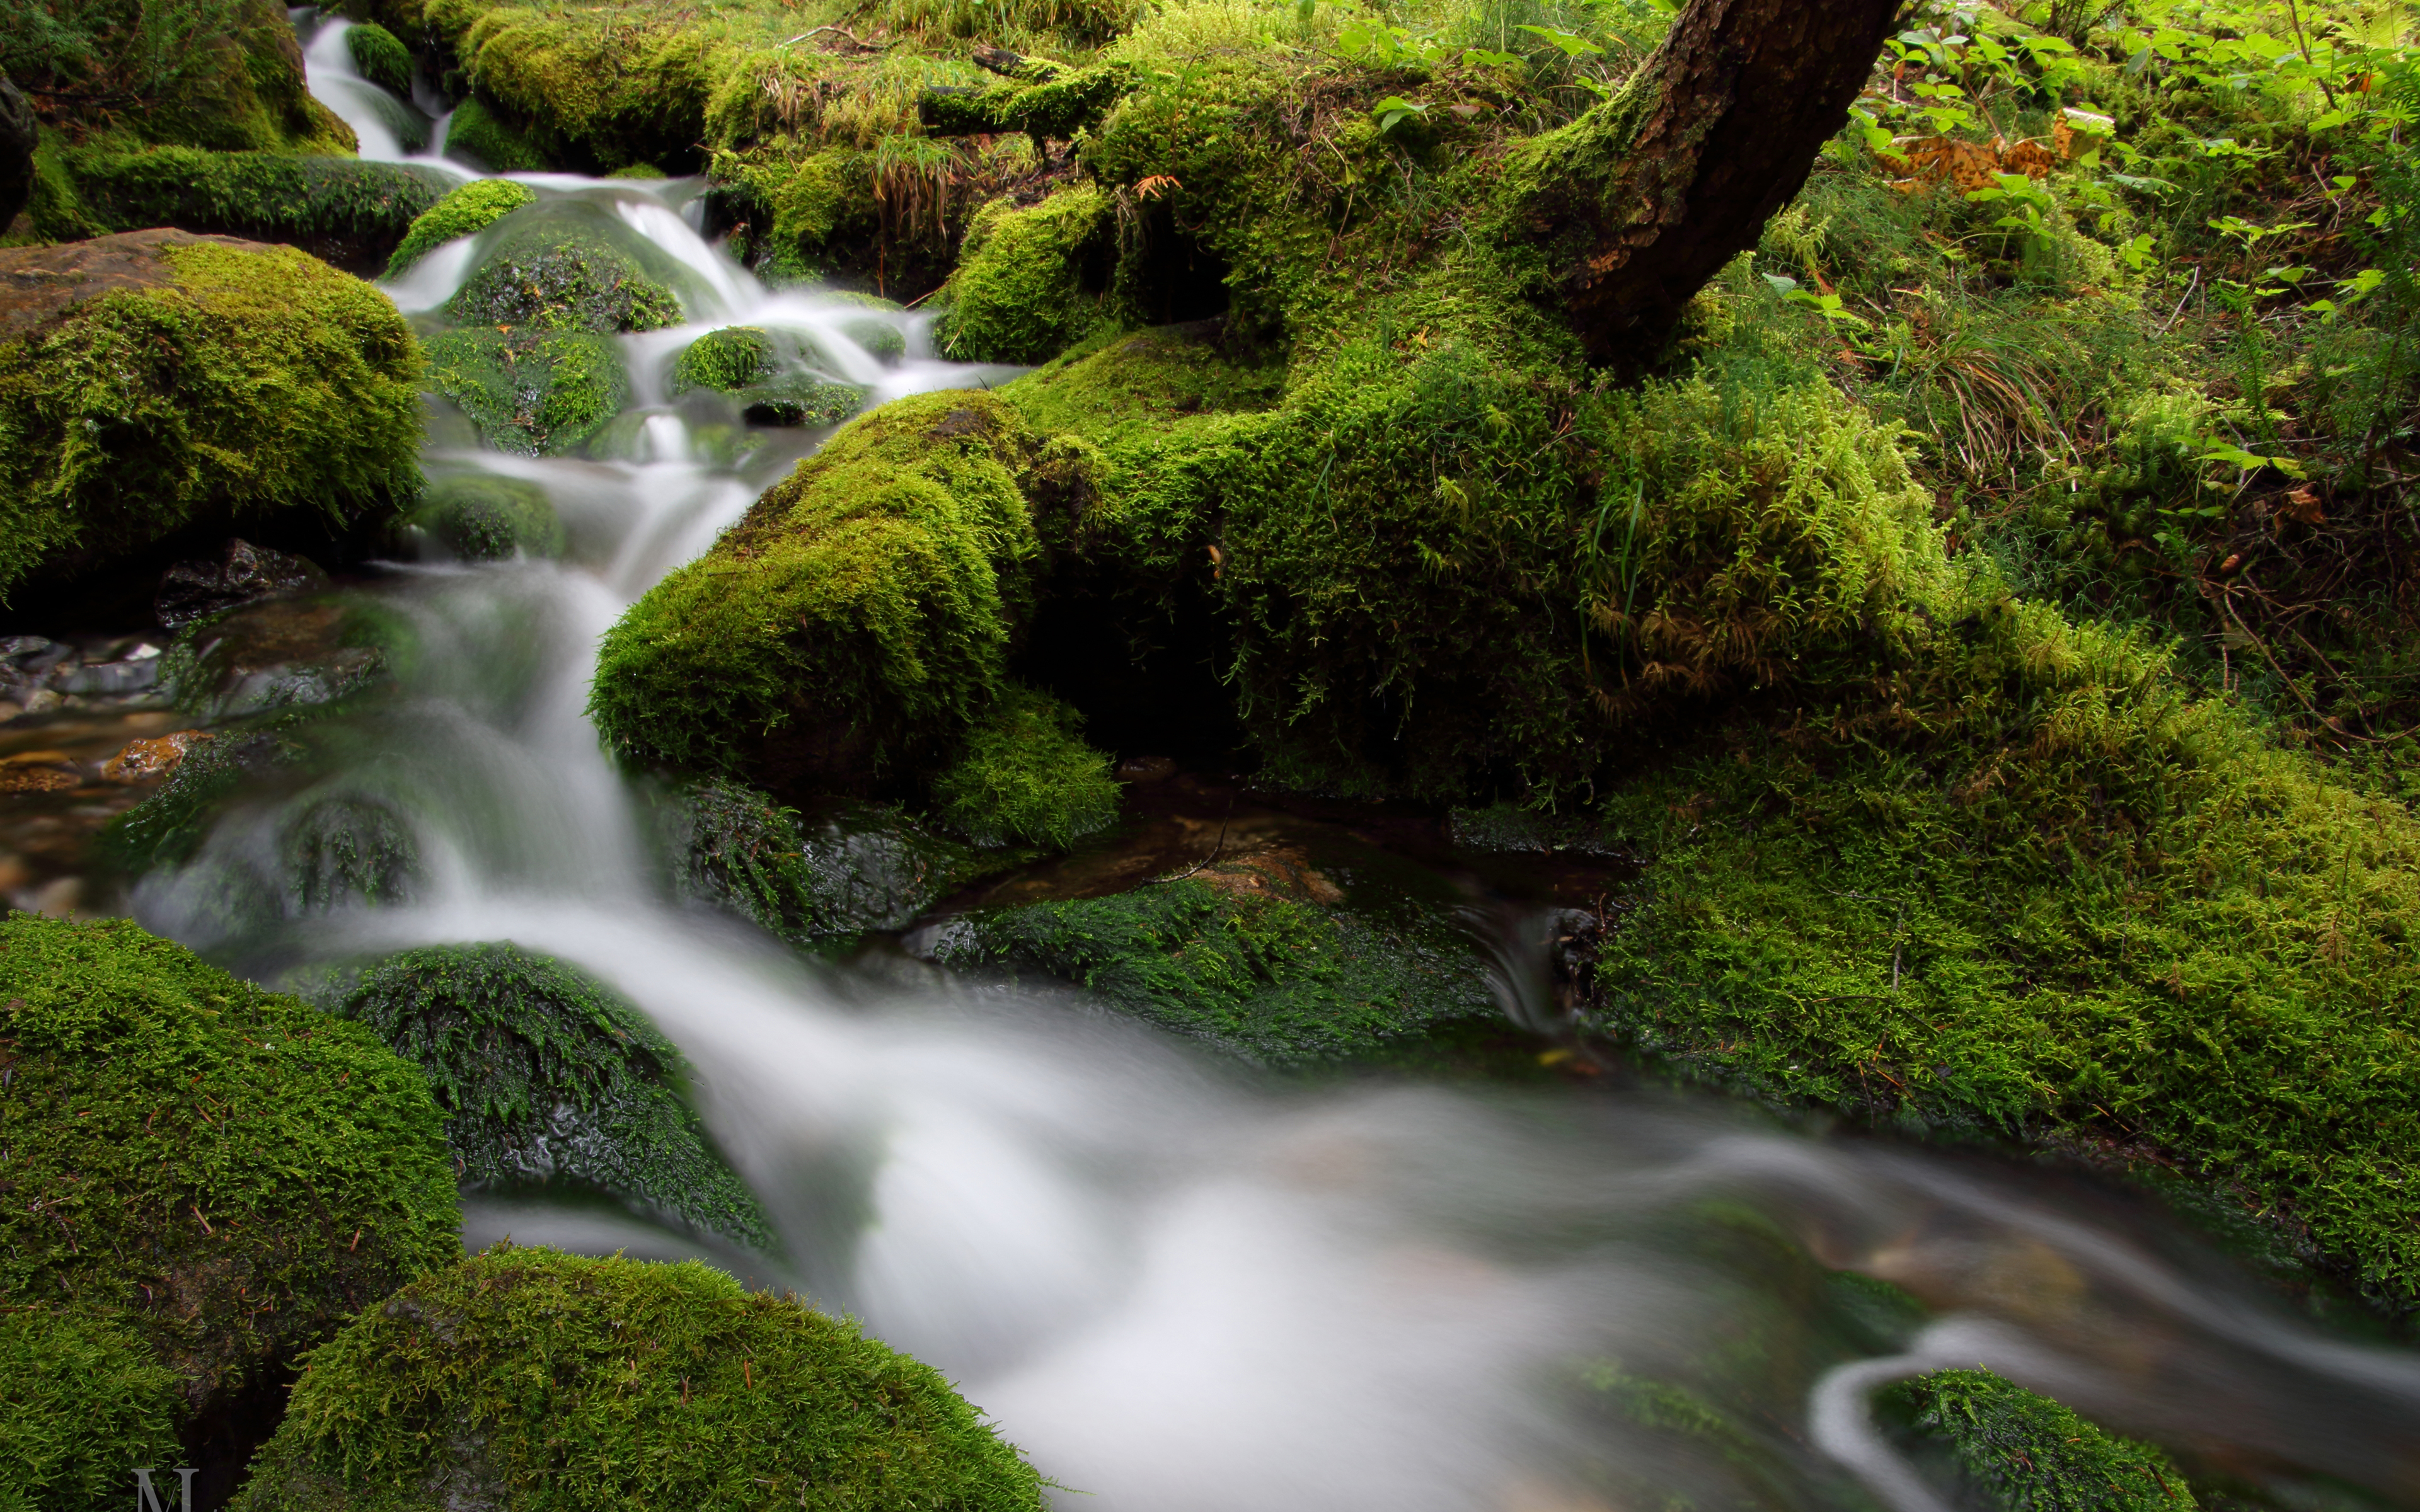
x,y
1642,200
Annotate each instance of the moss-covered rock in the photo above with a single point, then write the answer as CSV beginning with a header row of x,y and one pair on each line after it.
x,y
1029,281
817,878
167,827
340,208
534,391
1027,776
286,651
543,1381
882,341
81,1401
464,212
155,380
378,57
546,1076
476,136
726,360
566,271
223,1172
2025,1453
854,625
482,517
799,399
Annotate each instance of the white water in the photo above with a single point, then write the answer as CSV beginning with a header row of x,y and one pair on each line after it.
x,y
1174,1290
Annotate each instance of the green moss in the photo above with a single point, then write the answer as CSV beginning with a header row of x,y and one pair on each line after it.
x,y
727,359
480,518
55,209
346,852
254,381
1272,976
2026,1453
817,878
471,208
224,1172
881,340
1051,102
562,274
1027,775
80,1402
799,399
1021,292
534,391
268,195
378,57
478,136
167,827
544,1075
854,623
588,1381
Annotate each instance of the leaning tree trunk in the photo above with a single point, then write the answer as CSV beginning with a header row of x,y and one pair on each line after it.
x,y
1642,200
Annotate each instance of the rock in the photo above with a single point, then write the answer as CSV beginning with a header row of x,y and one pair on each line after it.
x,y
274,654
39,771
844,868
672,1387
481,517
19,134
243,574
223,1173
146,761
547,1076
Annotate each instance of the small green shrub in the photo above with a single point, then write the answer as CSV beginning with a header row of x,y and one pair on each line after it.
x,y
378,57
478,136
1029,281
587,1383
481,517
545,1076
1027,775
224,1172
726,360
80,1402
2028,1453
274,196
246,381
534,391
470,208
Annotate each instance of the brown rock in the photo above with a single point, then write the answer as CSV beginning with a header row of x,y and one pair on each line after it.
x,y
38,284
142,761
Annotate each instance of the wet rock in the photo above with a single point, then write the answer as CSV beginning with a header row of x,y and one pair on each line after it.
x,y
544,1076
243,574
1145,769
800,400
344,851
2005,1446
881,340
39,771
487,519
279,653
166,828
1509,827
147,761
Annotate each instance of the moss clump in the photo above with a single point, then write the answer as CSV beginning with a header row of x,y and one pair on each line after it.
x,y
882,341
727,361
1273,976
481,517
1027,775
2028,1453
799,399
531,391
224,1172
560,274
615,1382
478,136
853,625
470,208
378,57
326,202
817,878
80,1402
248,380
1029,281
545,1076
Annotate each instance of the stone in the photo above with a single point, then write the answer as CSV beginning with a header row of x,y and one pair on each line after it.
x,y
243,574
146,761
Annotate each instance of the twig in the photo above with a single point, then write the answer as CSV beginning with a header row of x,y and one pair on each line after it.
x,y
2180,301
1207,859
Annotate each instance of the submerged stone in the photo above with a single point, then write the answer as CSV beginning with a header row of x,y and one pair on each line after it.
x,y
565,271
277,654
545,1076
542,1380
481,517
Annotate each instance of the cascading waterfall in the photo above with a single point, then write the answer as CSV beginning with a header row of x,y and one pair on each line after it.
x,y
1175,1289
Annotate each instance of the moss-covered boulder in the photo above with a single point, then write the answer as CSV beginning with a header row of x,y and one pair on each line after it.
x,y
2007,1447
342,210
546,1076
223,1172
775,381
378,57
568,270
726,360
534,391
156,381
476,136
1031,282
482,517
817,878
81,1401
464,212
855,623
527,1377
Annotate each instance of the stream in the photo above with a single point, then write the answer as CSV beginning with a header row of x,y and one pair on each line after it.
x,y
1175,1286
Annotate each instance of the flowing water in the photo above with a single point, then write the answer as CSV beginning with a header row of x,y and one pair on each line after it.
x,y
1175,1288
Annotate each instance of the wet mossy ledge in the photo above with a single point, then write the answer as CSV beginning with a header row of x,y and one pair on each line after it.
x,y
219,1174
583,1382
340,209
2004,1446
156,381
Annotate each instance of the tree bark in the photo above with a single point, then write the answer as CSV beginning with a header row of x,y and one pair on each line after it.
x,y
1643,200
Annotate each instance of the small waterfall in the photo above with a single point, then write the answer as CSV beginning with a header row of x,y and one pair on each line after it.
x,y
1174,1289
389,129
